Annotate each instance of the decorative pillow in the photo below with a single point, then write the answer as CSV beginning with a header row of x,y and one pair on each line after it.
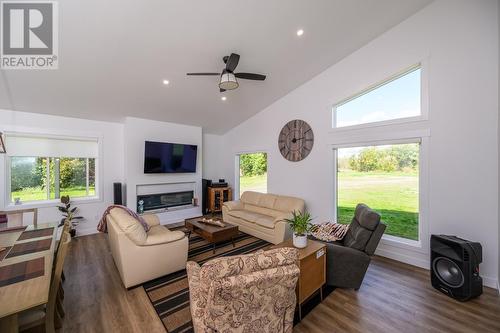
x,y
330,232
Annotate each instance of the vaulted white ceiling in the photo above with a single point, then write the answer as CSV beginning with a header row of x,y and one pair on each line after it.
x,y
114,55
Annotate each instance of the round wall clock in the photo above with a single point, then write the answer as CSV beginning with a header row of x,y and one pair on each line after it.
x,y
296,140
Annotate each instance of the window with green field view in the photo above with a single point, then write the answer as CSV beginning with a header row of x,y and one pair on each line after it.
x,y
44,178
253,172
386,178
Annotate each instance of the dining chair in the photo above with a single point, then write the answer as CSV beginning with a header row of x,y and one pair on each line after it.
x,y
15,217
47,316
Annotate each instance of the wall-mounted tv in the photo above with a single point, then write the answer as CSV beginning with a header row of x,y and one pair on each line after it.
x,y
164,157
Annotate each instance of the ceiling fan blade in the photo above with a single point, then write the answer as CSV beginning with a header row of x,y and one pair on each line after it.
x,y
212,74
250,76
222,90
232,62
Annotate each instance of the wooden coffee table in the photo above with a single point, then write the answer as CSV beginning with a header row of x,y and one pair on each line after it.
x,y
211,233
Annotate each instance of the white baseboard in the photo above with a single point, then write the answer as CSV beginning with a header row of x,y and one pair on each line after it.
x,y
86,231
403,258
490,282
407,259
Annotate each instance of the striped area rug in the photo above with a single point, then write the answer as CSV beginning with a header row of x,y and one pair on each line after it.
x,y
170,294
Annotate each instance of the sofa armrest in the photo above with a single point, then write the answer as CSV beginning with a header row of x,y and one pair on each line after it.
x,y
167,237
151,219
233,205
197,297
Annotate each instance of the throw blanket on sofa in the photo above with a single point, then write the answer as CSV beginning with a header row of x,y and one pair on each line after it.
x,y
330,232
103,224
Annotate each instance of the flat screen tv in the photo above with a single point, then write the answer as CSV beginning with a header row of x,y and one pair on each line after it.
x,y
164,157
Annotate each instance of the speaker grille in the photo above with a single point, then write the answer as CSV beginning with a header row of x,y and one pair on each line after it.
x,y
466,255
448,272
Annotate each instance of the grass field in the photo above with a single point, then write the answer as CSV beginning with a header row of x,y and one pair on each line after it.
x,y
253,183
38,193
393,195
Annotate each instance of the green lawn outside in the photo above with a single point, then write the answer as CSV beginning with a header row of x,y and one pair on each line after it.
x,y
253,183
394,195
38,193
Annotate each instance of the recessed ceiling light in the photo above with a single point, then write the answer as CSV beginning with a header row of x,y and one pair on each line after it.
x,y
300,32
223,98
165,82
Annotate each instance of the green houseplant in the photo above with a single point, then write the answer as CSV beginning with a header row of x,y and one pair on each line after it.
x,y
69,214
300,223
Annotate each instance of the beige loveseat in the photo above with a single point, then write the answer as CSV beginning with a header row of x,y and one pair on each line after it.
x,y
261,215
141,256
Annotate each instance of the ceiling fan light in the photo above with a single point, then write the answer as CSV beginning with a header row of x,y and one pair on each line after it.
x,y
228,81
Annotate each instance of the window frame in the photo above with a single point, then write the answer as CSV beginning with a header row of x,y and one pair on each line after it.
x,y
98,197
422,137
237,169
424,109
410,242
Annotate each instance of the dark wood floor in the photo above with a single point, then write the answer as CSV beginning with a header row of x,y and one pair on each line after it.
x,y
395,297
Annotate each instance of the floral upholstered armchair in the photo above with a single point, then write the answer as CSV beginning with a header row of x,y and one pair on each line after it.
x,y
246,293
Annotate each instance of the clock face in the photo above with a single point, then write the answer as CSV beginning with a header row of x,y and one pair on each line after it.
x,y
296,140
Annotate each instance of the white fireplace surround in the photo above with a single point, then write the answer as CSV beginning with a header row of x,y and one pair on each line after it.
x,y
166,188
177,214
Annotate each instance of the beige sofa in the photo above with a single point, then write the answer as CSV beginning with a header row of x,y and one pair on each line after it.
x,y
141,256
261,215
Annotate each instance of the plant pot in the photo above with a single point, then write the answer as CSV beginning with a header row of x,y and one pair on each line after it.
x,y
299,241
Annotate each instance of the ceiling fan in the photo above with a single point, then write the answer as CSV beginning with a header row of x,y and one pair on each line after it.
x,y
228,77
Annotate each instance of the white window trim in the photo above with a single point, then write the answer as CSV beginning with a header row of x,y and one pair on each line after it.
x,y
99,188
424,101
237,169
423,224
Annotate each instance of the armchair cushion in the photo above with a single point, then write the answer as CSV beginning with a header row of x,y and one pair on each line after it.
x,y
366,217
151,219
129,225
361,228
259,302
246,293
160,235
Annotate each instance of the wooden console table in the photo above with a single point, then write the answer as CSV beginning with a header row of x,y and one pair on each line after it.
x,y
312,265
217,196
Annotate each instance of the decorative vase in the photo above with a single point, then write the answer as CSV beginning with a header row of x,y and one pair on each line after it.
x,y
299,241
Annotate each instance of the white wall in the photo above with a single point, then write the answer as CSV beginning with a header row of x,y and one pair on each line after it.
x,y
458,43
111,165
212,152
136,131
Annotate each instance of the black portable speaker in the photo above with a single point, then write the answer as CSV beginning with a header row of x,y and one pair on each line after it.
x,y
455,267
205,184
117,194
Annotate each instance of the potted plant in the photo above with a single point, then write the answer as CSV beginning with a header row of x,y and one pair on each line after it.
x,y
69,213
300,223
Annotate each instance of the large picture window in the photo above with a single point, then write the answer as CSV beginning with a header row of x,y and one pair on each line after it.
x,y
395,99
42,169
386,178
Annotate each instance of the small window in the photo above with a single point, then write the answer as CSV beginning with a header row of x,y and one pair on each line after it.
x,y
397,98
42,168
253,172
